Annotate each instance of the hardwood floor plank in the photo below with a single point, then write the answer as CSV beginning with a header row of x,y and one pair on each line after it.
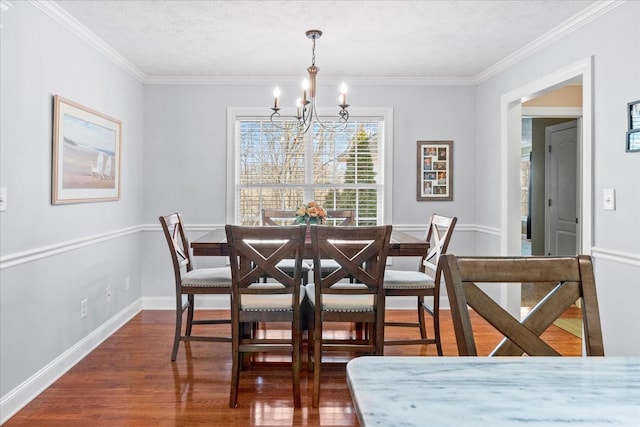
x,y
129,380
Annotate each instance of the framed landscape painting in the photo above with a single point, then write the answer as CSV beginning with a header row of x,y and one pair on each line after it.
x,y
86,154
435,170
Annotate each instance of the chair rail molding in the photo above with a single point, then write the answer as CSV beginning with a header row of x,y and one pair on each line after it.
x,y
18,258
616,256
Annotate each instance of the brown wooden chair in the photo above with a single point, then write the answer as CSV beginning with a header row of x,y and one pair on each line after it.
x,y
575,281
255,252
190,281
361,253
423,283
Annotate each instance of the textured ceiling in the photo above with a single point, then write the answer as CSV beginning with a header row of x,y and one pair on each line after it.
x,y
388,39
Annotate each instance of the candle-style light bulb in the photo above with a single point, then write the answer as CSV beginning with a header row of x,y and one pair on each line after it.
x,y
276,94
305,87
299,105
343,94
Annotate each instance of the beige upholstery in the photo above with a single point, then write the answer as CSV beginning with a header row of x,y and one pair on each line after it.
x,y
349,303
277,302
203,277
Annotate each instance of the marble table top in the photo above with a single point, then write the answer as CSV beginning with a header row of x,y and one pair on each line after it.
x,y
482,391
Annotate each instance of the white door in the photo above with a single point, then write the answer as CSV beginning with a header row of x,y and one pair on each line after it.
x,y
561,219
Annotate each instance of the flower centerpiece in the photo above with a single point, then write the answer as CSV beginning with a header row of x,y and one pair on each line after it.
x,y
311,213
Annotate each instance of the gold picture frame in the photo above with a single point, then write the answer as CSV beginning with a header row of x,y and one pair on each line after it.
x,y
86,154
435,171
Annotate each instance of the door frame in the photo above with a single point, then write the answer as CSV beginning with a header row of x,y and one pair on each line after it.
x,y
510,148
510,143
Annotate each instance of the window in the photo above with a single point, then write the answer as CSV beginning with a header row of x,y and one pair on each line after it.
x,y
274,169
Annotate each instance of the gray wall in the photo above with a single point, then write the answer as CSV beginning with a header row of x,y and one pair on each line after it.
x,y
55,256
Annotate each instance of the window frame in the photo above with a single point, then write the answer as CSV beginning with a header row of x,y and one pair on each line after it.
x,y
245,113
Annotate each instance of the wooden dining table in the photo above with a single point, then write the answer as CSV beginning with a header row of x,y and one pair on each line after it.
x,y
214,243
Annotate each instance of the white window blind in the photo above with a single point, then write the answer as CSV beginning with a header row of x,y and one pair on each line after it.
x,y
339,170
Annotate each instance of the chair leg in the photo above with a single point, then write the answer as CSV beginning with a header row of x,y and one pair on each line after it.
x,y
178,331
436,329
295,366
236,362
421,321
190,314
317,366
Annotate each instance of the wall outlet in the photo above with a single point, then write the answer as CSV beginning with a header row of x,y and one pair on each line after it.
x,y
83,308
108,294
127,283
609,199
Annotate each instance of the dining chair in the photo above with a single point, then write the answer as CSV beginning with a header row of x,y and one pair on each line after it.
x,y
361,253
253,253
191,281
574,281
425,282
274,217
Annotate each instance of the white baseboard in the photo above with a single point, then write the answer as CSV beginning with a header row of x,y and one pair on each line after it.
x,y
17,398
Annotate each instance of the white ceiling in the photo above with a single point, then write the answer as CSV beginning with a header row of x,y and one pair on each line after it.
x,y
368,39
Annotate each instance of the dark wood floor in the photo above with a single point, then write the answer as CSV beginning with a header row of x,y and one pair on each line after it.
x,y
129,380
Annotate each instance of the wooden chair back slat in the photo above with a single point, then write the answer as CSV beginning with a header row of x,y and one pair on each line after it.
x,y
439,232
250,260
574,278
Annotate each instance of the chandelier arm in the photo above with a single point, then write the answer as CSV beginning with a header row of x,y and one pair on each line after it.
x,y
343,118
282,125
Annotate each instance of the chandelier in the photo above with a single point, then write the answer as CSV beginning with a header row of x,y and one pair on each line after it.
x,y
306,111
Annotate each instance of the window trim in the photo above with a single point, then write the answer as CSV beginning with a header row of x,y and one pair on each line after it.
x,y
236,113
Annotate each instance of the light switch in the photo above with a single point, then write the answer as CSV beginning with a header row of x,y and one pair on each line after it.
x,y
609,199
3,199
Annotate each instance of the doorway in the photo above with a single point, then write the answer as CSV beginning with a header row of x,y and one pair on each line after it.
x,y
549,185
511,131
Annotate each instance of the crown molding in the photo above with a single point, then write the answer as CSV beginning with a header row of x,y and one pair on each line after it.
x,y
74,26
51,9
579,20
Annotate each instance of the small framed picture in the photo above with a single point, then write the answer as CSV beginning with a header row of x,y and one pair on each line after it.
x,y
86,154
633,140
633,132
633,109
435,170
